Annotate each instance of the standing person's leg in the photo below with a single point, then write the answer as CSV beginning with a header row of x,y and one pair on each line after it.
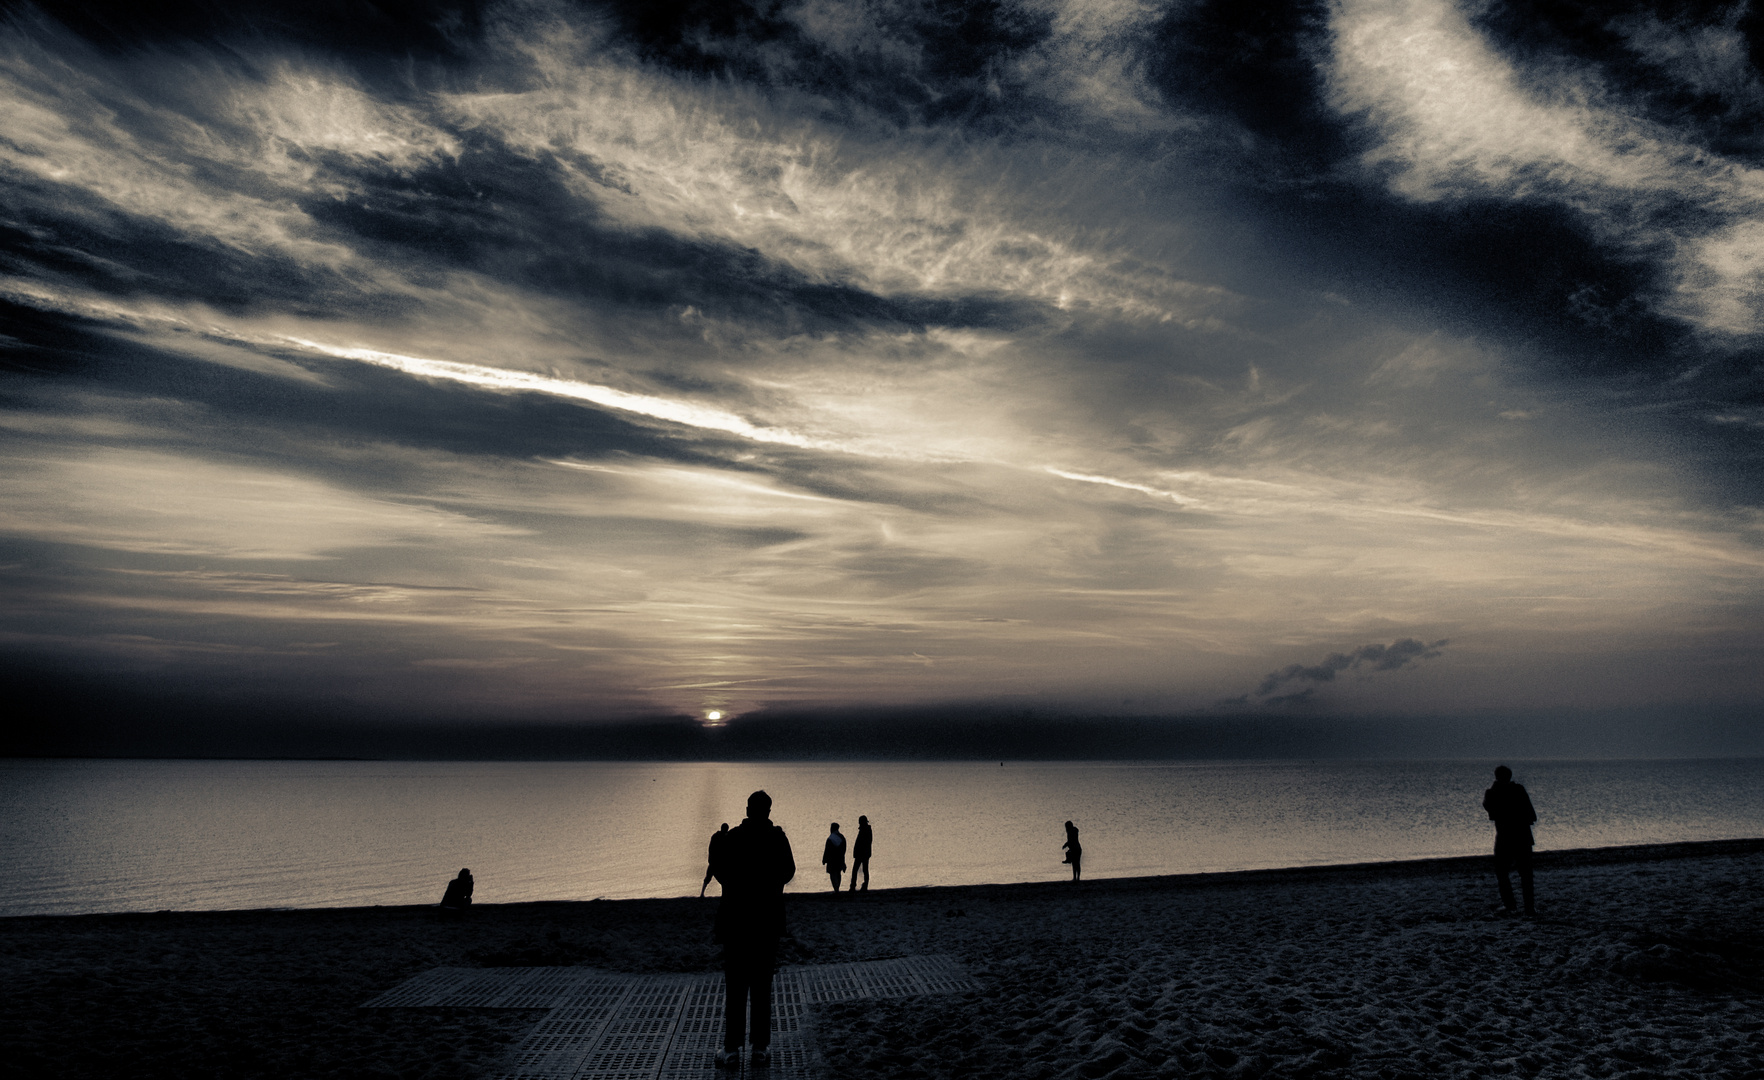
x,y
764,962
1503,865
1077,863
737,984
1522,863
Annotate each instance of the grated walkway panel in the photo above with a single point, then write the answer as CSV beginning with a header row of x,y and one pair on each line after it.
x,y
604,1026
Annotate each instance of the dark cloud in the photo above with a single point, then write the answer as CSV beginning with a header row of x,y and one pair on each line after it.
x,y
911,61
1693,66
430,29
1374,657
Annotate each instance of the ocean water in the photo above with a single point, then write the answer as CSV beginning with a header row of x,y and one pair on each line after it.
x,y
90,836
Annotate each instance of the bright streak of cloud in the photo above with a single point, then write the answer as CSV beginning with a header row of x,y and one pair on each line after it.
x,y
492,378
1160,493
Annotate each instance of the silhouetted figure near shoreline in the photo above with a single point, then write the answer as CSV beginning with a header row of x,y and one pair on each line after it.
x,y
458,896
1074,852
753,863
711,859
860,854
833,856
1509,807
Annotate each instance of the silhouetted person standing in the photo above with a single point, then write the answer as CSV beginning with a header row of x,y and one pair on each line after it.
x,y
1074,851
459,892
860,854
1509,807
833,856
753,863
711,860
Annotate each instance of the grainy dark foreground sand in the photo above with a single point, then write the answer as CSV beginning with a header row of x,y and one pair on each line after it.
x,y
1645,961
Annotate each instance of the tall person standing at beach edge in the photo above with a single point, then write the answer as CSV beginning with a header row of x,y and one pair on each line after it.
x,y
860,854
1509,807
753,863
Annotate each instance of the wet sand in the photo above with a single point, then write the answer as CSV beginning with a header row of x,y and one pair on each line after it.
x,y
1646,961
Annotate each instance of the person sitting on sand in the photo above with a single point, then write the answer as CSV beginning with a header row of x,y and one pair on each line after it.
x,y
833,856
860,854
1509,807
716,838
458,896
1074,852
753,863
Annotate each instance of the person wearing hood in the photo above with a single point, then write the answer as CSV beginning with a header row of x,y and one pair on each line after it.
x,y
458,896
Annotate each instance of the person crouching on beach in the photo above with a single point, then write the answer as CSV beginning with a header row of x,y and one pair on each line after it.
x,y
1074,852
1509,807
458,896
753,863
833,856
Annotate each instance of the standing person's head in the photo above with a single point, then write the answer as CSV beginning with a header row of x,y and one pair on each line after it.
x,y
862,820
759,806
725,827
465,873
836,827
1069,826
1502,773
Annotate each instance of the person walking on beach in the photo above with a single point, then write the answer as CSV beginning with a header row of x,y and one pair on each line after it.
x,y
1509,807
753,863
716,838
860,854
458,896
1074,852
833,856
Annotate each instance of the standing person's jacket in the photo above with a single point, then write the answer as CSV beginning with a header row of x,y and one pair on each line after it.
x,y
753,863
1509,807
833,855
860,850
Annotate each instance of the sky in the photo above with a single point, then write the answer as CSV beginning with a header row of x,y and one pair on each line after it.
x,y
547,363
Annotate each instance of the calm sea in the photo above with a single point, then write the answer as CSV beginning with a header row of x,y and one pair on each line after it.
x,y
85,836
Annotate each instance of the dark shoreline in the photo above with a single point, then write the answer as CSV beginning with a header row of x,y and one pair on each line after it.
x,y
1280,968
1544,860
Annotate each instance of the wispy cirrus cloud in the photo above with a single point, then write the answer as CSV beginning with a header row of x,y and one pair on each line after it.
x,y
1454,118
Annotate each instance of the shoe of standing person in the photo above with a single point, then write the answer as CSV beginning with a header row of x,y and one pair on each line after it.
x,y
729,1059
762,1058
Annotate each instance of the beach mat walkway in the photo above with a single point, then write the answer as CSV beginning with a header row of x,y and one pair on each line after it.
x,y
604,1026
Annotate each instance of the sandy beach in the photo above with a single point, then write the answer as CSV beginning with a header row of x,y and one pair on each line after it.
x,y
1645,961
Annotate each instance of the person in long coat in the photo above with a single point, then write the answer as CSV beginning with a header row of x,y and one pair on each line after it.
x,y
753,863
833,856
1509,807
860,854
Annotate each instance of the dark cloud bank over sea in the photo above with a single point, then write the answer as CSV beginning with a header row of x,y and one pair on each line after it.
x,y
1297,371
95,721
